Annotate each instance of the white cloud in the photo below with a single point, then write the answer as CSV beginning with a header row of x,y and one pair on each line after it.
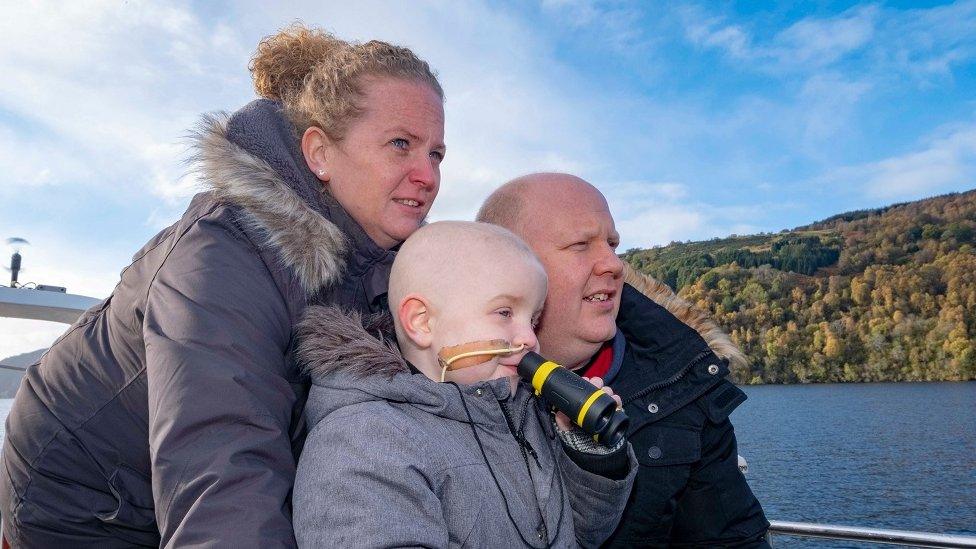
x,y
826,104
929,43
806,45
821,42
712,32
23,336
651,214
615,24
921,43
110,84
943,162
28,166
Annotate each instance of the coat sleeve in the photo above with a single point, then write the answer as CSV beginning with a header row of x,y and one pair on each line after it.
x,y
216,331
597,501
359,485
718,508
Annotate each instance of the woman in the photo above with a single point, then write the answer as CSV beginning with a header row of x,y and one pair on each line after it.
x,y
170,414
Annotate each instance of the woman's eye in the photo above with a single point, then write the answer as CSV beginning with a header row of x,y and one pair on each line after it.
x,y
507,313
400,143
437,155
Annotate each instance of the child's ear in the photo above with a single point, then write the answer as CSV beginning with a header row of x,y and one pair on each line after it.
x,y
414,316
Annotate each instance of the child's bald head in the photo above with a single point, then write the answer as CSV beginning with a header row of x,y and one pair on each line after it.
x,y
456,281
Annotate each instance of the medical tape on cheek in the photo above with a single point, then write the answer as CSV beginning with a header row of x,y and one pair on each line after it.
x,y
456,357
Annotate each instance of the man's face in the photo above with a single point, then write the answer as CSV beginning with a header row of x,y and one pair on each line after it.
x,y
570,228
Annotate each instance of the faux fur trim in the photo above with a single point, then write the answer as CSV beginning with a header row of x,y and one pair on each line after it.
x,y
664,296
306,241
331,340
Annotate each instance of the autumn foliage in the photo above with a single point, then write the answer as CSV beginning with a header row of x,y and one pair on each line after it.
x,y
875,295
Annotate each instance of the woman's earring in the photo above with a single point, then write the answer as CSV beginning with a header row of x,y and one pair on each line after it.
x,y
321,173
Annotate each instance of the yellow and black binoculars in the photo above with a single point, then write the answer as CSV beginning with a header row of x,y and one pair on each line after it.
x,y
592,409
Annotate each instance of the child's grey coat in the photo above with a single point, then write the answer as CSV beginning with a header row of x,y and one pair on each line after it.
x,y
391,459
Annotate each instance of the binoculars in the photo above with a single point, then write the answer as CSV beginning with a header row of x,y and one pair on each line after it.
x,y
592,409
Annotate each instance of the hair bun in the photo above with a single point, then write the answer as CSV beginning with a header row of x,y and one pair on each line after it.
x,y
283,60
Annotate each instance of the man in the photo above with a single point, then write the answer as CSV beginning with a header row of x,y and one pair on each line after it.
x,y
666,360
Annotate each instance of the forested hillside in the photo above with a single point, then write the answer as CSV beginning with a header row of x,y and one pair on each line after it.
x,y
873,295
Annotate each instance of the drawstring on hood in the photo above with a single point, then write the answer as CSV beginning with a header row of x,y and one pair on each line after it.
x,y
522,442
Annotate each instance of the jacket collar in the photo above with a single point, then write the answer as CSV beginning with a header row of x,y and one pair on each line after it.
x,y
251,160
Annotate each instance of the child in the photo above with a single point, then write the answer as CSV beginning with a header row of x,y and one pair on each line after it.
x,y
395,458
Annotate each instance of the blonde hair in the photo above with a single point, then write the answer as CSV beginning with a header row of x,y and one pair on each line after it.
x,y
319,78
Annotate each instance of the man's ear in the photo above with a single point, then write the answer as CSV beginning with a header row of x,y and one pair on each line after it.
x,y
316,146
414,317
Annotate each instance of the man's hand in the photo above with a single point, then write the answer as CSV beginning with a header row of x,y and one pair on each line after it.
x,y
566,424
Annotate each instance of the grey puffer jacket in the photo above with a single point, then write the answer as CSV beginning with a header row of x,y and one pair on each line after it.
x,y
394,459
171,413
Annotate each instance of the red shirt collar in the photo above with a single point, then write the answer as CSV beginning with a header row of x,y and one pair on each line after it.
x,y
601,362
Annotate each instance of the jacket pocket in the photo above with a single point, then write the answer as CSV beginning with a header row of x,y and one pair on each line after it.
x,y
134,509
661,444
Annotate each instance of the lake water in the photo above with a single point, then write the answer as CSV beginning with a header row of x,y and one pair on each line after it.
x,y
886,455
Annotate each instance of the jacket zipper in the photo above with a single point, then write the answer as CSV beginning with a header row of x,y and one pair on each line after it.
x,y
526,450
669,381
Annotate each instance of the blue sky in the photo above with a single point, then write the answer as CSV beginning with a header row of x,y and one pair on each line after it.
x,y
696,119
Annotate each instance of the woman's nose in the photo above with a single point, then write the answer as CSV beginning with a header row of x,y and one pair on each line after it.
x,y
425,173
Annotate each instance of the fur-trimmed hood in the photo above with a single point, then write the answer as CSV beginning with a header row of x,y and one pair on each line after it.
x,y
351,359
331,340
251,159
712,333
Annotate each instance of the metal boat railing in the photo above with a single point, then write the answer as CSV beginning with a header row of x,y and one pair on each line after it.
x,y
873,535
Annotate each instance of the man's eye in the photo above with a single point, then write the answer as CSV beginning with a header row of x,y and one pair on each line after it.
x,y
400,143
582,245
507,313
613,243
437,155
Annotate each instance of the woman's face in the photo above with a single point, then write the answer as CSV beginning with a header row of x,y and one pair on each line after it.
x,y
386,170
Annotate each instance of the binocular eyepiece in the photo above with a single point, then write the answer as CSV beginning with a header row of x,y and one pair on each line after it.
x,y
592,409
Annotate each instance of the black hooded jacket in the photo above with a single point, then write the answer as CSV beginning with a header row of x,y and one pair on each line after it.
x,y
689,491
